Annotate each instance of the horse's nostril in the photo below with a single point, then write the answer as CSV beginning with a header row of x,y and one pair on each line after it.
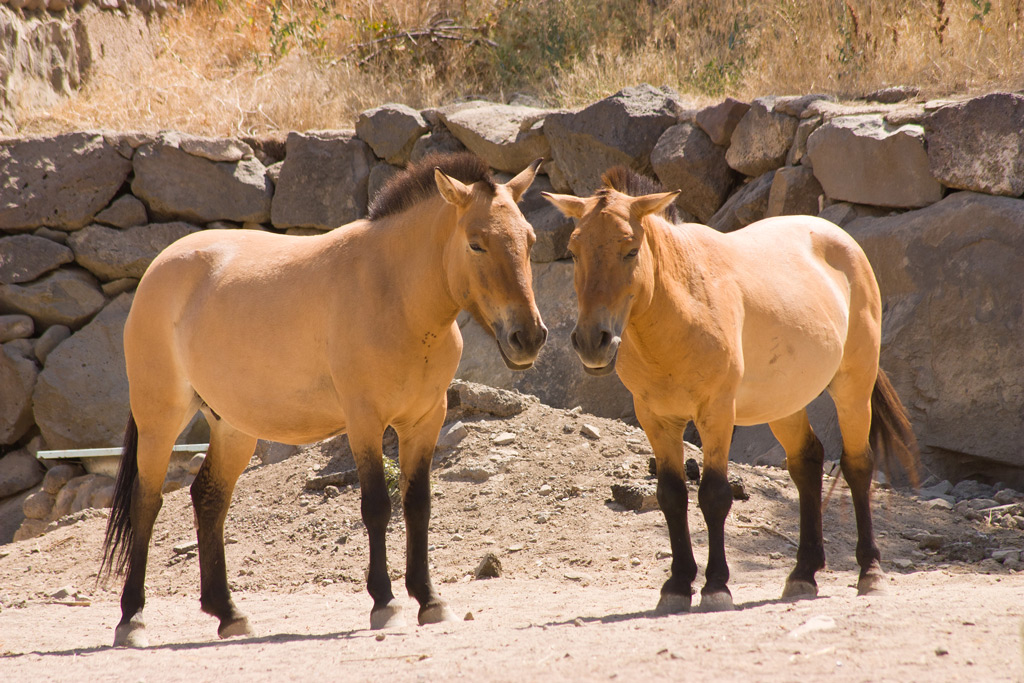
x,y
606,339
515,340
574,340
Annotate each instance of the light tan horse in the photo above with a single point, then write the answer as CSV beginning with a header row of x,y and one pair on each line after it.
x,y
732,329
296,339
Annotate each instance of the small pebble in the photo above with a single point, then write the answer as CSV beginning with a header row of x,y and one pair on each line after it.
x,y
941,651
489,567
590,431
379,637
545,490
457,537
542,518
503,439
186,547
635,561
332,491
468,617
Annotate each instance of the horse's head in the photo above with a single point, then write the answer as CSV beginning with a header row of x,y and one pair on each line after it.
x,y
488,263
613,260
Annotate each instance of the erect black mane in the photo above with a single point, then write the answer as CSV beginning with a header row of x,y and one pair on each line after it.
x,y
414,184
628,181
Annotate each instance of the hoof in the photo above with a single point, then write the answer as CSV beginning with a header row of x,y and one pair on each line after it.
x,y
131,634
673,603
238,626
716,602
872,582
388,616
435,613
797,589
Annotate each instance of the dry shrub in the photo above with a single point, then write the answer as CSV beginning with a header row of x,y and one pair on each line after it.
x,y
261,65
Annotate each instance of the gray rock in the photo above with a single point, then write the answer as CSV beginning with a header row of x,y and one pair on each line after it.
x,y
686,159
323,182
557,378
942,502
473,397
17,378
719,121
439,141
844,213
1006,496
19,471
59,475
119,286
797,105
762,139
590,431
12,516
24,258
794,191
60,182
865,160
111,254
452,435
16,327
950,342
125,212
391,131
507,137
798,151
893,94
68,296
38,505
979,145
270,452
969,489
176,185
212,149
488,568
336,479
81,397
942,488
746,205
639,496
621,129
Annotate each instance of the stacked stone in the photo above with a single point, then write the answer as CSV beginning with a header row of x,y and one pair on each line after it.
x,y
931,190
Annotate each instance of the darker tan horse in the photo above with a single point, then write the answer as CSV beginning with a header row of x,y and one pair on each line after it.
x,y
735,329
296,339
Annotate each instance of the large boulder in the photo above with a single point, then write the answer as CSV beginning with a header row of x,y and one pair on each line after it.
x,y
549,224
762,138
391,131
621,129
719,121
19,471
125,212
81,396
60,182
794,191
557,377
323,182
16,326
746,205
865,160
17,379
507,137
953,323
189,185
110,254
23,258
979,144
68,296
686,159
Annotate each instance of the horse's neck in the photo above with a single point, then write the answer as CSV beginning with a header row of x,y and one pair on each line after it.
x,y
407,250
674,284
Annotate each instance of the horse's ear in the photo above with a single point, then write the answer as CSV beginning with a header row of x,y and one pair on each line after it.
x,y
569,205
651,204
521,183
454,191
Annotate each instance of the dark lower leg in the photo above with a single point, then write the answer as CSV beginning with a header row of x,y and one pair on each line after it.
x,y
416,505
672,497
376,509
211,499
715,498
805,470
858,473
143,515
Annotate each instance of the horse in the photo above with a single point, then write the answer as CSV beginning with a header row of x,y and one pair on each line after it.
x,y
743,328
300,338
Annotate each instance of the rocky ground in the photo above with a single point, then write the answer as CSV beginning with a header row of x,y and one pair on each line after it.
x,y
579,576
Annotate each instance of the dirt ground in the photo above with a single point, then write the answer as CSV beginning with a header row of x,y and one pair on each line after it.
x,y
580,578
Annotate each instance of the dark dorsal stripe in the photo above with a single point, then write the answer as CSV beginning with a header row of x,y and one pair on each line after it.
x,y
416,183
628,181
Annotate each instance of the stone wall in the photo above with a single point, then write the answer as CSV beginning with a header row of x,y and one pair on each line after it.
x,y
930,189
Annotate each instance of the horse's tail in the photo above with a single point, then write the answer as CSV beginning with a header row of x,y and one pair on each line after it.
x,y
892,437
118,541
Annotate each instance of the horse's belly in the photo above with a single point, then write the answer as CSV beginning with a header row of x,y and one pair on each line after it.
x,y
781,384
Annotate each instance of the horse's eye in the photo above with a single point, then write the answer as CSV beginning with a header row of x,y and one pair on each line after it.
x,y
475,246
632,253
573,255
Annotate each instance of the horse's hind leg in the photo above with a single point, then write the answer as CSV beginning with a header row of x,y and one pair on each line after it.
x,y
416,450
853,408
229,453
804,460
365,437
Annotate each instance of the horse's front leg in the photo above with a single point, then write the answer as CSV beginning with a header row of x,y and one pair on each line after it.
x,y
666,439
416,449
376,509
714,496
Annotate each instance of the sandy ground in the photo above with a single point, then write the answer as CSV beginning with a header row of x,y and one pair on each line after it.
x,y
573,603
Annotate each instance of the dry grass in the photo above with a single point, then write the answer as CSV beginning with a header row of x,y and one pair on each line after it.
x,y
266,65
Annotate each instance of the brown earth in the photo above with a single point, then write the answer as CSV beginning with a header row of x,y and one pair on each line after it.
x,y
575,598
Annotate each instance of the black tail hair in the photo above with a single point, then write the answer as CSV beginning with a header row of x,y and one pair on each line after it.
x,y
118,541
892,437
